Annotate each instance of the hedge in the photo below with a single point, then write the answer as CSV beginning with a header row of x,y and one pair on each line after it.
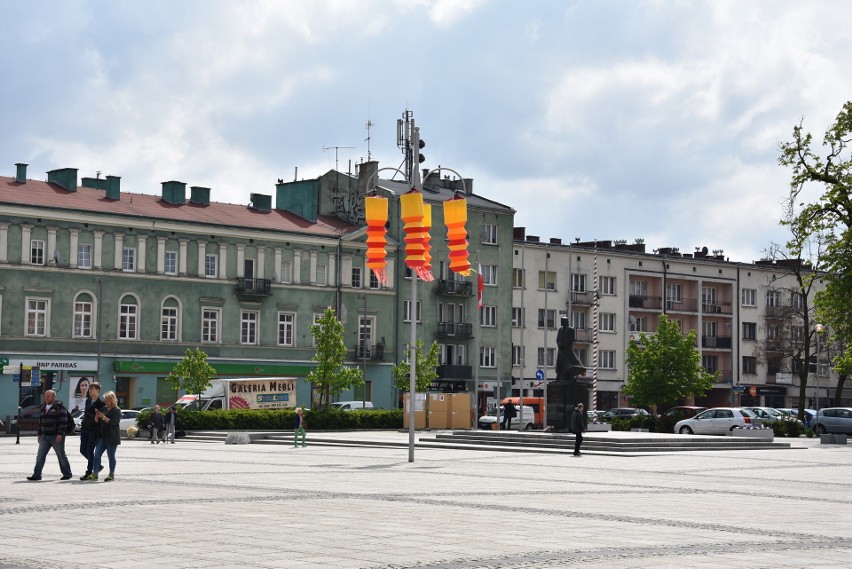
x,y
281,419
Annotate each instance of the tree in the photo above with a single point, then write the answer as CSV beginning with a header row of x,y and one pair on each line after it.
x,y
665,367
425,370
330,375
828,216
192,374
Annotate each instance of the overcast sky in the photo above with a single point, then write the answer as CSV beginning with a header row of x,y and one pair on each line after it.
x,y
592,119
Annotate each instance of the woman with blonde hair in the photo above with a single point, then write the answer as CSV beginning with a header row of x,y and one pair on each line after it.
x,y
109,427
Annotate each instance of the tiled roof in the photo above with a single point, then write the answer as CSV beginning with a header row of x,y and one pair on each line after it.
x,y
146,206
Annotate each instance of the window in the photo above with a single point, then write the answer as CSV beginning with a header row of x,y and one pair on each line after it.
x,y
248,327
546,280
321,275
674,292
489,275
607,359
286,329
356,277
36,252
578,282
607,322
406,311
374,281
128,259
798,333
710,363
128,313
546,318
797,301
638,324
211,265
709,328
607,285
489,234
364,392
487,356
639,288
517,317
84,256
550,352
171,263
38,313
210,325
578,320
517,355
489,316
169,324
517,278
749,330
749,297
773,298
366,326
749,365
83,316
286,272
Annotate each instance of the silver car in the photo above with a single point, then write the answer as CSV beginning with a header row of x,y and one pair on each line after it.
x,y
716,421
834,420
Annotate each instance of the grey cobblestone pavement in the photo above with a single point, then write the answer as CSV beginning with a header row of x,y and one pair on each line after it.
x,y
197,504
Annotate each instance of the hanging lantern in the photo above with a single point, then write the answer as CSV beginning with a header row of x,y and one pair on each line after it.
x,y
416,235
455,218
376,211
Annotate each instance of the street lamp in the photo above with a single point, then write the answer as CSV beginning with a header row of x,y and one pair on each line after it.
x,y
363,338
99,314
819,329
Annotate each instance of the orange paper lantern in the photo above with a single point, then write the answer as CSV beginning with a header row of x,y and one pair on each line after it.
x,y
376,211
427,226
416,234
455,218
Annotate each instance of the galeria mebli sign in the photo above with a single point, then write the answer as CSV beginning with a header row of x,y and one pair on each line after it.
x,y
278,393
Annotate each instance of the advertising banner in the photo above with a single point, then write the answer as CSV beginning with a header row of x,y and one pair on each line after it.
x,y
273,393
78,387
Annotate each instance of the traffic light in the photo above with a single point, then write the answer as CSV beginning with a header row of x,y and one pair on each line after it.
x,y
420,146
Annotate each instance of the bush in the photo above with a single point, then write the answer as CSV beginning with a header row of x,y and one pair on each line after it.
x,y
281,419
788,428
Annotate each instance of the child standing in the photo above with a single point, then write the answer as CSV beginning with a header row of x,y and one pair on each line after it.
x,y
299,428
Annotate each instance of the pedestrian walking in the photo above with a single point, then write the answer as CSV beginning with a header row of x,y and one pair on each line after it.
x,y
109,436
52,424
509,413
299,428
171,422
578,425
89,426
156,425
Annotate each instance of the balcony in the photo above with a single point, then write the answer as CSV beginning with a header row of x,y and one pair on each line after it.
x,y
454,330
646,302
583,335
723,375
682,304
370,353
716,308
455,372
720,342
254,287
582,298
455,288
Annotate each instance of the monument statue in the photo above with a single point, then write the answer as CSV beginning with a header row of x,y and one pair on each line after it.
x,y
568,365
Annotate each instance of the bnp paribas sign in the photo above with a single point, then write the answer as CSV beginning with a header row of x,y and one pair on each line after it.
x,y
56,364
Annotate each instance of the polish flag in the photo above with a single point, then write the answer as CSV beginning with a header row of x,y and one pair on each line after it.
x,y
480,285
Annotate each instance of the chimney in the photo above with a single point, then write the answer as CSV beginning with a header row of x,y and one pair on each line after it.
x,y
533,238
366,171
555,241
261,202
64,178
468,186
174,192
199,195
113,187
21,174
519,233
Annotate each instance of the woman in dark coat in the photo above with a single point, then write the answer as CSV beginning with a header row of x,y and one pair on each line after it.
x,y
109,436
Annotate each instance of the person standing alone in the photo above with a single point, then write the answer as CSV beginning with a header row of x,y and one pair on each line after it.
x,y
578,425
299,428
89,427
52,424
509,413
171,421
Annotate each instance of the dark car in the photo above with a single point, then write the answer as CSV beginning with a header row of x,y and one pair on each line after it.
x,y
682,412
625,413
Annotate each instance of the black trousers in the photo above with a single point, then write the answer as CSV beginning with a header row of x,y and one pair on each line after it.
x,y
507,423
578,440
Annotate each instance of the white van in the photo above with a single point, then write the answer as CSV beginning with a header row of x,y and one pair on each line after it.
x,y
352,405
487,421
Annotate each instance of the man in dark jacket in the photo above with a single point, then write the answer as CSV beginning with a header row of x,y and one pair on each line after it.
x,y
88,426
52,422
156,425
578,425
509,413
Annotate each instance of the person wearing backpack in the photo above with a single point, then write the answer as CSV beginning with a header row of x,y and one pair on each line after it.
x,y
89,427
53,424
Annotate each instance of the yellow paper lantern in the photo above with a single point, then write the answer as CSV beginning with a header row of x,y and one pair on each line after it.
x,y
455,218
376,212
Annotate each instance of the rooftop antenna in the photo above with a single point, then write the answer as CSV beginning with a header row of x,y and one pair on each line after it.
x,y
370,124
336,148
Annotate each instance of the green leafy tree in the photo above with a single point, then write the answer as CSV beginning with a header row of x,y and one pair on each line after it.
x,y
330,375
827,174
425,372
665,367
192,374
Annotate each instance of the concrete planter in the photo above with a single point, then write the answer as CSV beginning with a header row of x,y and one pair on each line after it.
x,y
761,434
832,439
598,428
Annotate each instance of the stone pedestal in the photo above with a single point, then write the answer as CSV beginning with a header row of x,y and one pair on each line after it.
x,y
562,396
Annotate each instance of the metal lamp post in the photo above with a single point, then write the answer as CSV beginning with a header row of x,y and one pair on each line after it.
x,y
819,329
363,332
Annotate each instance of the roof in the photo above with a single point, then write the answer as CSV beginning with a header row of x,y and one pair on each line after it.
x,y
47,195
437,194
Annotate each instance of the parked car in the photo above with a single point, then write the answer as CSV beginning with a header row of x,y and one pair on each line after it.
x,y
794,412
352,405
128,418
834,420
625,412
716,421
768,414
487,421
682,412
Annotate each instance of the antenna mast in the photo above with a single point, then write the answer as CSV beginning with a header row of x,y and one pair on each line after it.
x,y
370,124
336,148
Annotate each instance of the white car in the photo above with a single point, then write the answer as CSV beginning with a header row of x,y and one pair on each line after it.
x,y
487,421
352,405
128,419
716,421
